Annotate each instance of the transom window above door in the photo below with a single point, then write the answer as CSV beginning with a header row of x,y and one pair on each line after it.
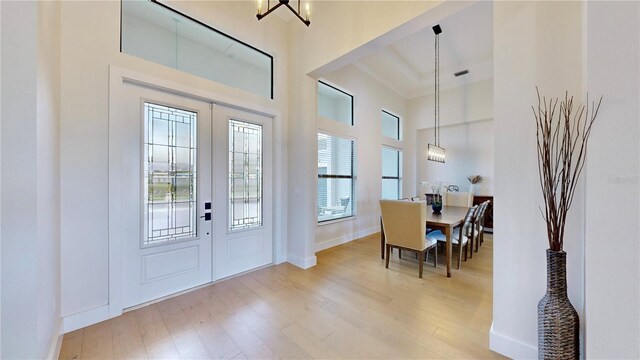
x,y
153,31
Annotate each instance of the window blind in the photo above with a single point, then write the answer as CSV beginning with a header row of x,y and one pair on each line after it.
x,y
336,177
391,173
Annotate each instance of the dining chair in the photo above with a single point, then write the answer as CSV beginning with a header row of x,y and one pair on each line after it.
x,y
469,233
464,199
404,225
482,211
478,221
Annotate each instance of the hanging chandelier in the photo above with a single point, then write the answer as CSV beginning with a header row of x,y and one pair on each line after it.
x,y
435,152
305,20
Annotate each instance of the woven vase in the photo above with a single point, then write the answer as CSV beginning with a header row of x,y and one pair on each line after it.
x,y
558,322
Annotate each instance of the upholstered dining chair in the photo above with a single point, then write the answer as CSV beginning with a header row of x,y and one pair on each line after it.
x,y
464,199
469,233
404,225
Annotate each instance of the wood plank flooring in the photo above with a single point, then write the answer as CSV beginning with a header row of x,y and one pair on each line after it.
x,y
348,306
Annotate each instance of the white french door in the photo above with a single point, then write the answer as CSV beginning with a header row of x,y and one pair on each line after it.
x,y
196,192
243,228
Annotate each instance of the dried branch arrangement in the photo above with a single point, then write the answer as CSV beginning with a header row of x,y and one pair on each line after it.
x,y
562,138
474,179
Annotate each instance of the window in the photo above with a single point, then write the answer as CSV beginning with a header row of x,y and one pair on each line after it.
x,y
390,125
153,31
335,104
245,175
391,173
336,178
169,173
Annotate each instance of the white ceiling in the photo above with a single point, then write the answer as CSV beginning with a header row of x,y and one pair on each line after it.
x,y
466,42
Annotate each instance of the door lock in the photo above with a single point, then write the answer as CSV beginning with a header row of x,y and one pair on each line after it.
x,y
206,216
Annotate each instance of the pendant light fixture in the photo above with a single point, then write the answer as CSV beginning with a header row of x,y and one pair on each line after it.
x,y
435,152
305,20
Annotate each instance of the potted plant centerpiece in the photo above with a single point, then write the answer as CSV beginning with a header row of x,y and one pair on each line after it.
x,y
436,205
562,135
436,194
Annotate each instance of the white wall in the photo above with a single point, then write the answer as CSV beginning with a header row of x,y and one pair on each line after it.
x,y
466,133
535,43
30,182
469,151
337,29
612,277
90,44
370,98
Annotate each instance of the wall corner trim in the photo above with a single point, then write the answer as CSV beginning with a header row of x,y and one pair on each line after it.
x,y
56,345
303,263
510,347
85,318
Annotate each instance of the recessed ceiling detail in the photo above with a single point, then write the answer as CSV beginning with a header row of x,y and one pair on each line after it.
x,y
406,66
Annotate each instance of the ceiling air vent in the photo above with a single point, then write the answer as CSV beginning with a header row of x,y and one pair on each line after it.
x,y
460,73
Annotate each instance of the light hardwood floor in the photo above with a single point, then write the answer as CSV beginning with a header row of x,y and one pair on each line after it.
x,y
348,306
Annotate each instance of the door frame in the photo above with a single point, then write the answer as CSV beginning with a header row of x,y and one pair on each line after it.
x,y
120,77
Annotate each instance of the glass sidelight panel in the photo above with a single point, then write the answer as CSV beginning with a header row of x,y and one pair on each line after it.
x,y
245,175
169,173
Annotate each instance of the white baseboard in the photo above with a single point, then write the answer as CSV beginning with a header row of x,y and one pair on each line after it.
x,y
323,245
303,263
510,347
85,318
54,350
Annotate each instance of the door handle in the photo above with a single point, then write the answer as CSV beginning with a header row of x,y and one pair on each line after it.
x,y
206,216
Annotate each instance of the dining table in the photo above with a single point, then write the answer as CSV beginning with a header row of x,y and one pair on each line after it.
x,y
448,219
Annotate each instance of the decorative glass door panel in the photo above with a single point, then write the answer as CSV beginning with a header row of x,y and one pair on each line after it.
x,y
242,241
245,175
170,152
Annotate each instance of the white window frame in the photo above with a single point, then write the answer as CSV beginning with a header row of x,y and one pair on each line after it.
x,y
353,178
400,170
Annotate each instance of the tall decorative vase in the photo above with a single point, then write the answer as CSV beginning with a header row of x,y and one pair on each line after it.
x,y
473,188
558,322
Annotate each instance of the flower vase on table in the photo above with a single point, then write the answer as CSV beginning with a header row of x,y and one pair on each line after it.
x,y
437,189
437,207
